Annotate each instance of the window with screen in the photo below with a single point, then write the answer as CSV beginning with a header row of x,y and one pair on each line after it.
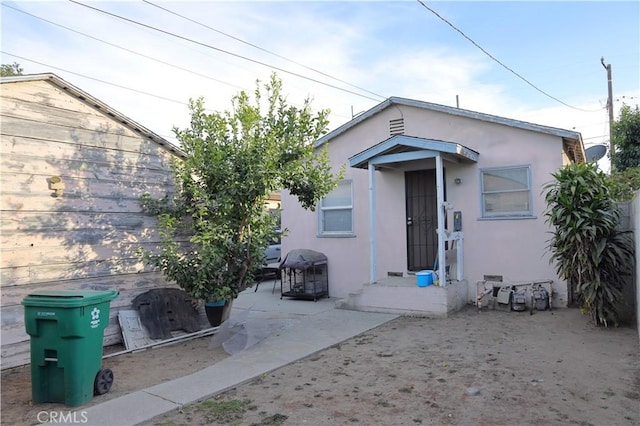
x,y
336,211
506,192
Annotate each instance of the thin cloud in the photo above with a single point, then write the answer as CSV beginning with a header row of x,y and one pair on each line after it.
x,y
391,49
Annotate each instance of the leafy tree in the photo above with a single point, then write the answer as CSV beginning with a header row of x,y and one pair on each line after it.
x,y
626,139
624,179
585,246
623,185
233,160
8,70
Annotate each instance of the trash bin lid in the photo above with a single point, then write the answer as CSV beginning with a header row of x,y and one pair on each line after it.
x,y
68,298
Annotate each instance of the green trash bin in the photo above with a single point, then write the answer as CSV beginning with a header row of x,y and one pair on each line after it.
x,y
67,330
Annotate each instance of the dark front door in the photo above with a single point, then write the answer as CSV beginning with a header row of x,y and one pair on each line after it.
x,y
422,219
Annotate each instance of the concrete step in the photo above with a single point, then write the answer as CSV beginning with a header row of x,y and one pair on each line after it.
x,y
401,295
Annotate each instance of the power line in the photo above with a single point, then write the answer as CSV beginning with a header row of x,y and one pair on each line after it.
x,y
125,49
169,138
264,50
223,51
108,83
498,61
95,79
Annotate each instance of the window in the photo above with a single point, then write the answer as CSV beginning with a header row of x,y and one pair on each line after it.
x,y
506,192
336,211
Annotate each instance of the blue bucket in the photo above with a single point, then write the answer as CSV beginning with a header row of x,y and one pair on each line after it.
x,y
424,278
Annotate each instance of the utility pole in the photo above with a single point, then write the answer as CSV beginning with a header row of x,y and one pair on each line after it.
x,y
609,109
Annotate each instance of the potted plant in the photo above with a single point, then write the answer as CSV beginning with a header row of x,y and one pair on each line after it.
x,y
214,227
193,267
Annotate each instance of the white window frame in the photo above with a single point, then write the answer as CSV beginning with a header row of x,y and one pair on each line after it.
x,y
322,209
521,214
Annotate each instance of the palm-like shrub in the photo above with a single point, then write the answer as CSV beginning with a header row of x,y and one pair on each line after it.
x,y
585,247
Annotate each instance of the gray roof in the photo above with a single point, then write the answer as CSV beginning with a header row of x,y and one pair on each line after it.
x,y
97,104
567,135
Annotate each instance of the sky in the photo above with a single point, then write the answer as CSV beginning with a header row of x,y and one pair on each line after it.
x,y
527,60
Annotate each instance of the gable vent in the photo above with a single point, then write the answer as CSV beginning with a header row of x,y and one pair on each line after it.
x,y
396,127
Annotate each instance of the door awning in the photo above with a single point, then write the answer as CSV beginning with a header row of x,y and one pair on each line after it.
x,y
402,148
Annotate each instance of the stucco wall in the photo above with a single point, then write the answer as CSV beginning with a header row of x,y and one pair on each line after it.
x,y
515,249
348,267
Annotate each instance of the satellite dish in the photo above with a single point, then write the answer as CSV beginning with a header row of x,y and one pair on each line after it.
x,y
596,152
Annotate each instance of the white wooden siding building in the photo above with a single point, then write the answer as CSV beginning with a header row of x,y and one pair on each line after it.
x,y
72,169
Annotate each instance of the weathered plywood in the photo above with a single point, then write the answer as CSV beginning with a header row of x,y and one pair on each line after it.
x,y
72,237
80,116
106,165
49,253
66,221
17,335
15,354
128,286
14,334
87,239
44,93
81,157
99,137
45,102
21,275
71,202
19,352
16,342
75,114
133,332
33,193
23,192
86,183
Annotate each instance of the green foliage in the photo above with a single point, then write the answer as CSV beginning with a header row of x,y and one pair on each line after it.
x,y
216,227
623,185
8,70
222,412
624,180
626,139
585,247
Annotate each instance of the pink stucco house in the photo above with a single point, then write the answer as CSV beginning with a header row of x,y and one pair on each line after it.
x,y
425,182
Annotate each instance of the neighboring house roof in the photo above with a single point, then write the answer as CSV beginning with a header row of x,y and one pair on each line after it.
x,y
275,196
95,103
402,148
571,139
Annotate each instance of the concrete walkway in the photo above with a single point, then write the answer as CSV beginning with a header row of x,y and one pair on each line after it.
x,y
284,331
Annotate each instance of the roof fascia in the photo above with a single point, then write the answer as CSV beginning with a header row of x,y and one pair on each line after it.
x,y
428,145
402,157
353,122
488,117
567,134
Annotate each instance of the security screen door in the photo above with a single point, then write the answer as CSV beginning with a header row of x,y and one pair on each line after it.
x,y
422,219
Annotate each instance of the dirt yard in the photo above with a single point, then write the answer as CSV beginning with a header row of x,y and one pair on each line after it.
x,y
132,372
488,368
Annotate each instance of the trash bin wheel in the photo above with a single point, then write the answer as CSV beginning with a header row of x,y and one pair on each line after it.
x,y
103,382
